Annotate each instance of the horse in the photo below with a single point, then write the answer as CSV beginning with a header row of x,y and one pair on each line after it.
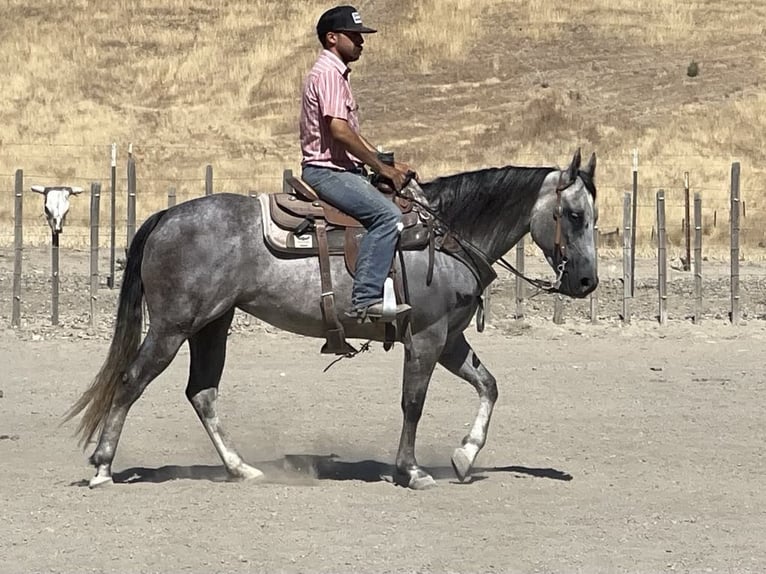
x,y
193,264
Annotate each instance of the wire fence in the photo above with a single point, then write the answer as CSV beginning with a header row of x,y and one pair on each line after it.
x,y
156,182
668,241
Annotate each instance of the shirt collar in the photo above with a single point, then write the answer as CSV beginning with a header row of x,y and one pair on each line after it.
x,y
336,62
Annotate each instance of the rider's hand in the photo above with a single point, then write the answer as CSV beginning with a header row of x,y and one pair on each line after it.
x,y
398,177
405,167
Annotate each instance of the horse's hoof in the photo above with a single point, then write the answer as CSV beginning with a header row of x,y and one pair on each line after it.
x,y
415,480
422,482
100,481
461,464
245,472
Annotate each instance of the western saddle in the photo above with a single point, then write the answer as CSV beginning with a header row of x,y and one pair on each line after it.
x,y
298,223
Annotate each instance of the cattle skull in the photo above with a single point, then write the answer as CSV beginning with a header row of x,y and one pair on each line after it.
x,y
56,203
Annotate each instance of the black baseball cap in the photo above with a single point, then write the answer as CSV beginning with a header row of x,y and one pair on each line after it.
x,y
342,19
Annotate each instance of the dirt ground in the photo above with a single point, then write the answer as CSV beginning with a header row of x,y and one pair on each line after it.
x,y
612,449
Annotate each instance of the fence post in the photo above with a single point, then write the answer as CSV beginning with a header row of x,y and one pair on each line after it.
x,y
209,180
519,281
627,275
697,259
558,309
633,225
112,216
95,201
735,243
54,278
662,260
687,223
172,197
18,246
594,294
131,197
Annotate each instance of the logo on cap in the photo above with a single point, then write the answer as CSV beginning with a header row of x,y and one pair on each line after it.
x,y
356,17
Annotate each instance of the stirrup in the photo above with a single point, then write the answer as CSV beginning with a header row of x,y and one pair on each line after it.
x,y
375,313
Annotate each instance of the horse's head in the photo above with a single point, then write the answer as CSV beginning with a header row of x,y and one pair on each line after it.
x,y
562,224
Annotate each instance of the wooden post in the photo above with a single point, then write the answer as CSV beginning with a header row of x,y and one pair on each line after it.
x,y
18,246
288,173
697,259
687,223
662,259
172,197
54,278
95,202
209,180
594,295
113,213
735,243
627,275
519,281
633,225
131,197
558,309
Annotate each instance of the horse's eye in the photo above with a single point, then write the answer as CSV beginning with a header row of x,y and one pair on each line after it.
x,y
575,216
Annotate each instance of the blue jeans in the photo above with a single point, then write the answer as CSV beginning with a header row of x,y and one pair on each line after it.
x,y
353,194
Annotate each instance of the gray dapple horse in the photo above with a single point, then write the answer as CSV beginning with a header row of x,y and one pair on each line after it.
x,y
196,262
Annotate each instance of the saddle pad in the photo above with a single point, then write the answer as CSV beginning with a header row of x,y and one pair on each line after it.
x,y
285,241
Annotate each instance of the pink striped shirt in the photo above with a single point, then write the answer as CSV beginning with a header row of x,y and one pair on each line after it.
x,y
327,94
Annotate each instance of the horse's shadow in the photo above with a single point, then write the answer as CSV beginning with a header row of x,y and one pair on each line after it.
x,y
304,469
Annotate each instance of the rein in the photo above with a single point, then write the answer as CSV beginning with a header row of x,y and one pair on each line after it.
x,y
559,250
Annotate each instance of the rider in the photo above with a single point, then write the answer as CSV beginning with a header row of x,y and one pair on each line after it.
x,y
335,153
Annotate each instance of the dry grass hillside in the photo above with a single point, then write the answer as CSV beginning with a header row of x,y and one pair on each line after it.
x,y
449,85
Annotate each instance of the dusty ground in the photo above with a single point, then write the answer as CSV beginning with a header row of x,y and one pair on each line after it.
x,y
613,449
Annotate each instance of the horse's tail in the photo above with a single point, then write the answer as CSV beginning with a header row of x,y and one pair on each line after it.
x,y
97,399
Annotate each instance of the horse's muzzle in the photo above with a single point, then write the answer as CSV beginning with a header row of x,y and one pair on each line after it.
x,y
577,288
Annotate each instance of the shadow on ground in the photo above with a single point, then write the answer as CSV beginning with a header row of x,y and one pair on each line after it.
x,y
306,469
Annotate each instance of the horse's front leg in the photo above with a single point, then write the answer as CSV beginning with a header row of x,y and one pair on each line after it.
x,y
459,358
419,362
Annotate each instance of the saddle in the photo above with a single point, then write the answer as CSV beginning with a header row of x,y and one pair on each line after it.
x,y
299,224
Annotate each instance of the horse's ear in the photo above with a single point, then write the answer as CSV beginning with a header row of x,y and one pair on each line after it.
x,y
590,169
574,167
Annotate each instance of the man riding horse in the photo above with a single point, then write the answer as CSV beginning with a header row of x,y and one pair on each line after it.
x,y
335,153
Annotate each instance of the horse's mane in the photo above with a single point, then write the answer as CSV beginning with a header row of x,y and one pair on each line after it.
x,y
471,200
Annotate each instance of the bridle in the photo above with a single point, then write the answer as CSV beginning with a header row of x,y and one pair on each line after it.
x,y
559,249
473,252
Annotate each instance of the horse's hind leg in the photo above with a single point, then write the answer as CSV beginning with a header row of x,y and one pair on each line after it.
x,y
208,354
154,355
459,358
